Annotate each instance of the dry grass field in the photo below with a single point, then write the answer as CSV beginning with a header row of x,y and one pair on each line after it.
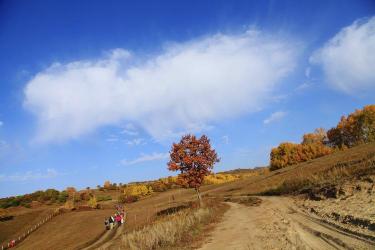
x,y
24,219
332,169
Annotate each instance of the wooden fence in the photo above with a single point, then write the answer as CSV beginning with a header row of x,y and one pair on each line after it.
x,y
22,237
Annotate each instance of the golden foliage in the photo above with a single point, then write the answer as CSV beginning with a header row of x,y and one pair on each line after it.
x,y
357,128
290,153
319,136
220,178
71,191
107,185
69,204
137,190
92,202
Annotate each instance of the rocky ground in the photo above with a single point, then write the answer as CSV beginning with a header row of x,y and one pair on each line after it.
x,y
277,223
350,205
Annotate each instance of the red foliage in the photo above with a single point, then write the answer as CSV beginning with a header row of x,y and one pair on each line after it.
x,y
194,158
127,198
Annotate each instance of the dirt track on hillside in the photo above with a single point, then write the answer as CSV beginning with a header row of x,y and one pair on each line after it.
x,y
277,224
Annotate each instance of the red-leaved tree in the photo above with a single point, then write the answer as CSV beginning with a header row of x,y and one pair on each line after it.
x,y
194,158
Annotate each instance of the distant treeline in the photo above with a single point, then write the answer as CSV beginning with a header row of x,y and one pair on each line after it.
x,y
131,192
48,196
355,129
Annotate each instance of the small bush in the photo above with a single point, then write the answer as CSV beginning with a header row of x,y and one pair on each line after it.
x,y
127,198
92,202
104,198
69,204
85,195
63,196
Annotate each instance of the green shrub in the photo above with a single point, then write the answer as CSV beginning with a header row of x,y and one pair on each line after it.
x,y
63,196
104,198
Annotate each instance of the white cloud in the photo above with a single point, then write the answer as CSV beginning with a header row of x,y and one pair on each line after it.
x,y
225,139
185,88
348,59
276,116
307,72
112,138
135,142
30,175
302,87
130,130
146,158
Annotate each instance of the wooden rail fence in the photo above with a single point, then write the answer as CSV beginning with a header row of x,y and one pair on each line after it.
x,y
23,236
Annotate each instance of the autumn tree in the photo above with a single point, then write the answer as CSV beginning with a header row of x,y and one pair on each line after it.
x,y
357,128
287,153
194,158
107,185
318,136
71,191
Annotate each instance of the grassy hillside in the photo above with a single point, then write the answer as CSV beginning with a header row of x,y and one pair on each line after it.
x,y
337,167
65,231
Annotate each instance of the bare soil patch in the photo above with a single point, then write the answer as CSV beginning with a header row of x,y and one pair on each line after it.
x,y
278,224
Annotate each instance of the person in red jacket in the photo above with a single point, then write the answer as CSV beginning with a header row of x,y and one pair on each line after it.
x,y
118,219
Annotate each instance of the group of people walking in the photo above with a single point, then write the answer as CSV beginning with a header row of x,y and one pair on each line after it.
x,y
118,218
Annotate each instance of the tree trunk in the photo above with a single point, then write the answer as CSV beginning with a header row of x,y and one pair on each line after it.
x,y
198,195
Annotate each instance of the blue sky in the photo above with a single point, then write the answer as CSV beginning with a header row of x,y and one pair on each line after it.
x,y
98,90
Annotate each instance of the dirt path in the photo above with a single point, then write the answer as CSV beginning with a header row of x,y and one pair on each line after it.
x,y
277,224
105,239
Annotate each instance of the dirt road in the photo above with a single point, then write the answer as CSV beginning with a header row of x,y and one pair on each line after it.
x,y
105,240
277,224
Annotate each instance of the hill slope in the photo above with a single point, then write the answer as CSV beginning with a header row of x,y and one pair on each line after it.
x,y
313,186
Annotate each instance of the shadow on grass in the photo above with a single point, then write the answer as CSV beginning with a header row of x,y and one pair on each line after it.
x,y
172,210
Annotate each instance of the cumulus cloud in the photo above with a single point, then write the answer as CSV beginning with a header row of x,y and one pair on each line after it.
x,y
276,116
348,59
146,158
184,88
30,175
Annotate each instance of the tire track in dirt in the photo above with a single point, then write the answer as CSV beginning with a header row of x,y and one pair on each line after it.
x,y
105,239
277,224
